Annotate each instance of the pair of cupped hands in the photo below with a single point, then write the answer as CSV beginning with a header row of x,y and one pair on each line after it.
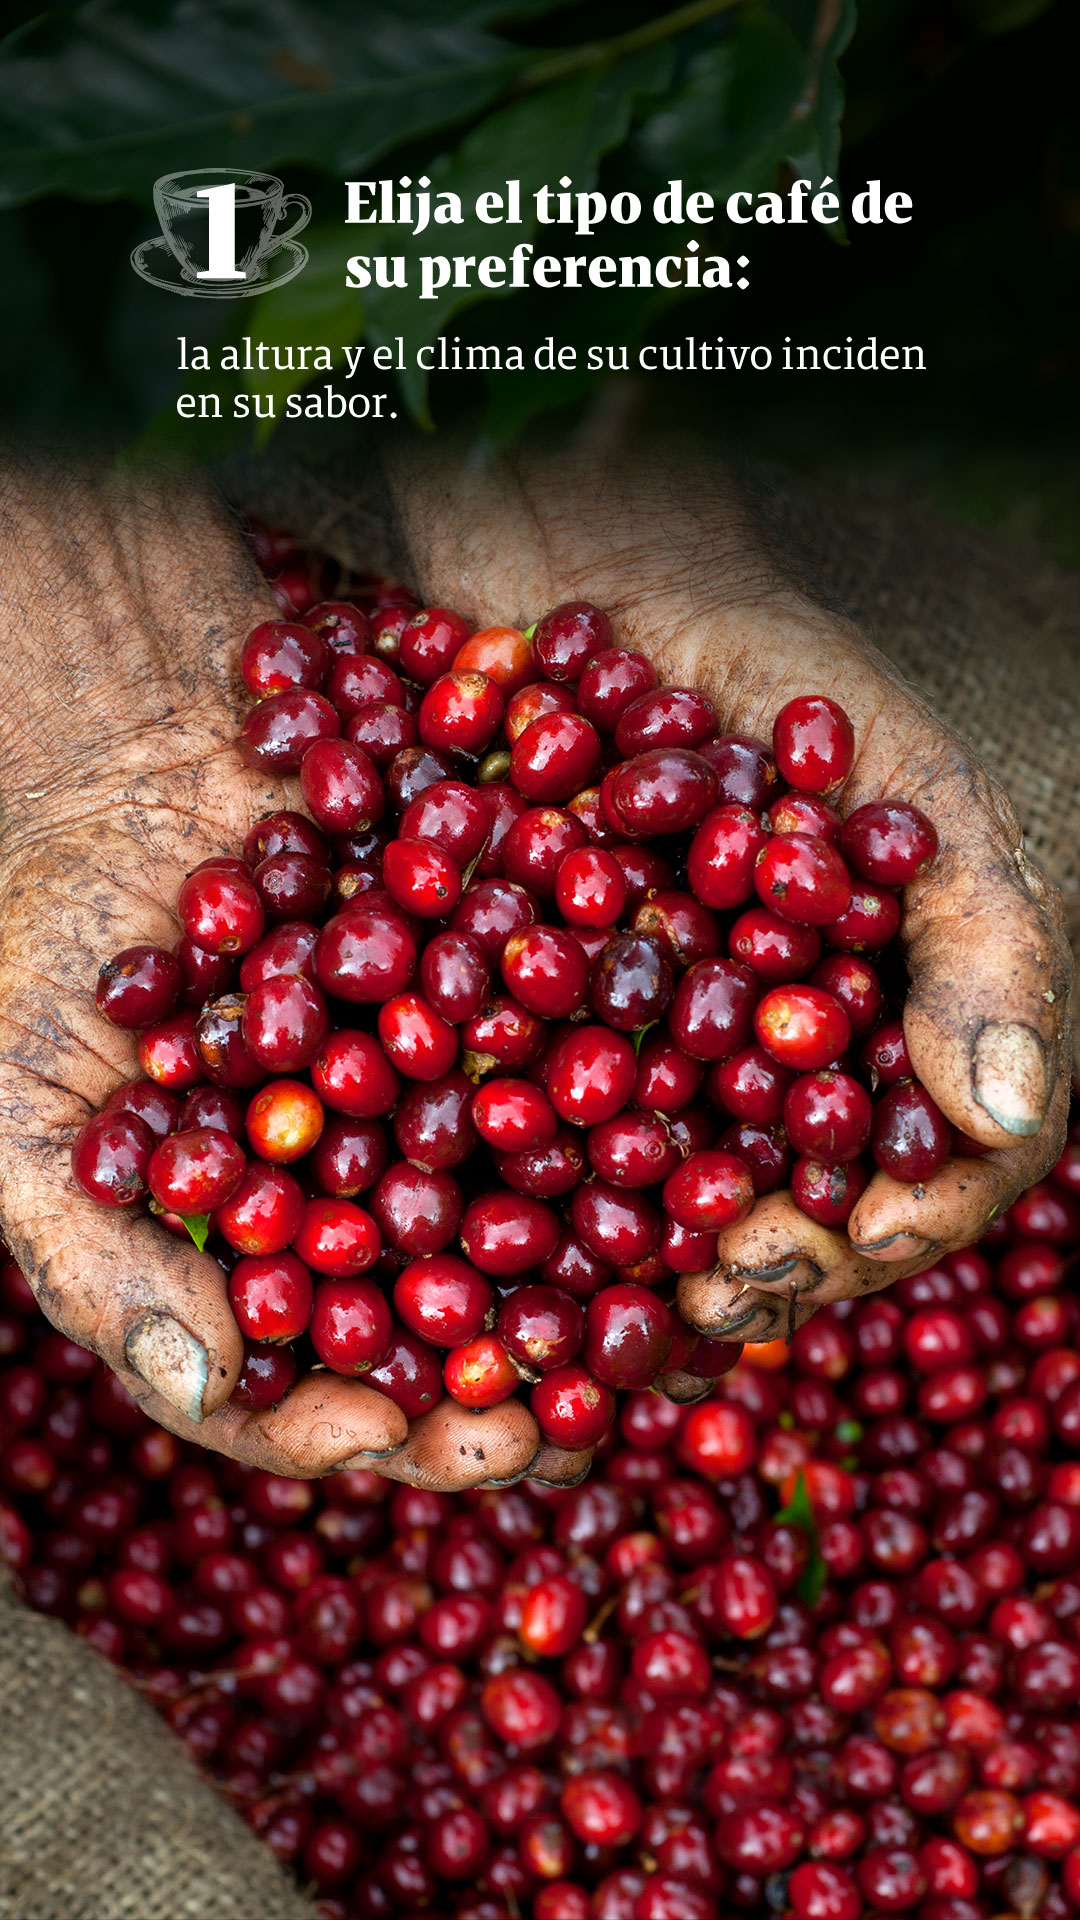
x,y
125,602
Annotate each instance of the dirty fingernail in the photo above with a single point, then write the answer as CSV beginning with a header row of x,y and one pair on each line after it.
x,y
370,1459
170,1360
1009,1076
765,1275
895,1246
493,1486
752,1323
799,1274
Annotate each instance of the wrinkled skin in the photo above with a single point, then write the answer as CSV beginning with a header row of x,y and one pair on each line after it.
x,y
123,613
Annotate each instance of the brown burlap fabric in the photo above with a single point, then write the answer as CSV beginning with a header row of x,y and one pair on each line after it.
x,y
988,632
102,1817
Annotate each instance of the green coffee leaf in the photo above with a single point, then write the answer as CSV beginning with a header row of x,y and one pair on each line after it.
x,y
638,1035
97,101
198,1225
799,1513
740,109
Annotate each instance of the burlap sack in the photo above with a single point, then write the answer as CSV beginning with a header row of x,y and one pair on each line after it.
x,y
988,632
101,1815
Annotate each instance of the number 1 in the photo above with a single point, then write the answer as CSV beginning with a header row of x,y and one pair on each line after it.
x,y
221,202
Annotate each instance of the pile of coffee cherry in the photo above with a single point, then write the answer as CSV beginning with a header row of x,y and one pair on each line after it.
x,y
809,1648
460,1069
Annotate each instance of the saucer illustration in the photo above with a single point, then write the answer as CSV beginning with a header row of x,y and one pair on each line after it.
x,y
154,262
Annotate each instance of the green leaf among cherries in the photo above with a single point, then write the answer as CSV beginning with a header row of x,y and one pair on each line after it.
x,y
799,1513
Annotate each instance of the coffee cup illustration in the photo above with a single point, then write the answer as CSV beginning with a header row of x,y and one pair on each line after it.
x,y
222,234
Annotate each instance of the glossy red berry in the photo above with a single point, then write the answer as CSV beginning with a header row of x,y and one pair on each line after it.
x,y
572,1409
418,1041
814,744
263,1212
541,1327
590,889
421,878
628,1336
611,679
342,787
220,910
365,953
340,626
336,1237
409,1374
443,1299
196,1171
460,712
590,1075
554,757
512,1115
723,854
352,1075
826,1191
802,878
508,1233
827,1116
279,730
910,1137
567,637
350,1325
280,654
429,641
713,1009
480,1373
889,842
666,717
802,1027
710,1191
546,970
110,1159
139,986
271,1296
285,1023
664,791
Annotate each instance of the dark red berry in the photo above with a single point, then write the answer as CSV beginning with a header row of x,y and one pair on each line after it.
x,y
350,1325
278,731
220,910
271,1296
196,1171
139,986
572,1409
280,654
814,744
911,1137
889,842
110,1159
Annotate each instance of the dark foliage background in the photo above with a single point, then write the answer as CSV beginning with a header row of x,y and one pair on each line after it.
x,y
969,105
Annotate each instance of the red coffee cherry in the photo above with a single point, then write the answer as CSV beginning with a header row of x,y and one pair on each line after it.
x,y
814,744
889,842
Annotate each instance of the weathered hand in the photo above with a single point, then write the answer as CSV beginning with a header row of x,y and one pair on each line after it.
x,y
123,613
691,578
